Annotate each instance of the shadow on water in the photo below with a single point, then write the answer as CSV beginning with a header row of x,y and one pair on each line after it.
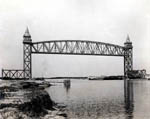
x,y
129,98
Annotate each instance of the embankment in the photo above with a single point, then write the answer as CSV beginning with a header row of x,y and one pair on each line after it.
x,y
27,100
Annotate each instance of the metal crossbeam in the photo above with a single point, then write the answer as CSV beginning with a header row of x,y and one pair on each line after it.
x,y
77,47
13,73
27,60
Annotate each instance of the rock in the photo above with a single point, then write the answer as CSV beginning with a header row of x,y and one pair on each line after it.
x,y
62,114
26,85
8,89
27,100
38,104
12,113
59,117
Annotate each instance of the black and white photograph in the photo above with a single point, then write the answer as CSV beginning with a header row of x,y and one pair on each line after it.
x,y
74,59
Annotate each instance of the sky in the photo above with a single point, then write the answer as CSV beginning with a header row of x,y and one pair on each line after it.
x,y
97,20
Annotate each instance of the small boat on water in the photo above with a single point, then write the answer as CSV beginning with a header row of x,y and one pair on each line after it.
x,y
67,82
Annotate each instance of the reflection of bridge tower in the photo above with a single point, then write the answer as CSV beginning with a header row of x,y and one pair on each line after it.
x,y
129,98
128,60
27,45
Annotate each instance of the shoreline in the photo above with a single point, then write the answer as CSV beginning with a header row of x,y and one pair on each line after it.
x,y
27,100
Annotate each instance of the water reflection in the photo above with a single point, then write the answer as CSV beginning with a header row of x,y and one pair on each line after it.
x,y
91,99
104,99
129,98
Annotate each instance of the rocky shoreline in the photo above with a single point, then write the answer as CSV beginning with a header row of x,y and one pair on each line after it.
x,y
28,100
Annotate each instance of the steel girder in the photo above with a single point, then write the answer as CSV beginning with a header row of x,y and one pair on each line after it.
x,y
75,47
128,61
79,47
13,73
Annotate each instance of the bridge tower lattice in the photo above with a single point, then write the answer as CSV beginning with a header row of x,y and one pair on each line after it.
x,y
27,59
128,57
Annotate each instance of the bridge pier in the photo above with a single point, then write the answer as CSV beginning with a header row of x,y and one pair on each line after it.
x,y
128,57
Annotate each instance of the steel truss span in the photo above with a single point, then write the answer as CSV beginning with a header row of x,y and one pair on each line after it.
x,y
77,47
12,73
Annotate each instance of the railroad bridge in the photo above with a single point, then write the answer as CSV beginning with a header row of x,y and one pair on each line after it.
x,y
68,47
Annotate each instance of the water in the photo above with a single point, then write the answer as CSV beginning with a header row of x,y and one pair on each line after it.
x,y
104,99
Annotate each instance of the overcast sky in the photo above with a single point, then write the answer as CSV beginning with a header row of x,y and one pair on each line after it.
x,y
99,20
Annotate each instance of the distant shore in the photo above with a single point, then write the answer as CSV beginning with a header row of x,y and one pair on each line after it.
x,y
111,77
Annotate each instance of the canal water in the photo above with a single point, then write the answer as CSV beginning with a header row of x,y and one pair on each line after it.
x,y
86,99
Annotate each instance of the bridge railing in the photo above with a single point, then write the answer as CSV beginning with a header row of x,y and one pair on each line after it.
x,y
12,73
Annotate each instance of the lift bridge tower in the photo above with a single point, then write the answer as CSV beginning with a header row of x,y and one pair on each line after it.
x,y
128,57
27,57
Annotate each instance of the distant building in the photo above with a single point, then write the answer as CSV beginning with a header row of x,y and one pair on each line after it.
x,y
137,74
